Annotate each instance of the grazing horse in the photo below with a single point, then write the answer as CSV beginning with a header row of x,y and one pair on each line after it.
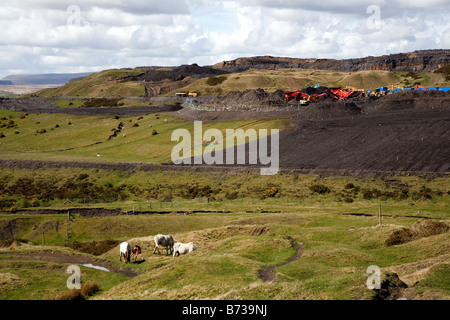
x,y
183,248
125,251
164,241
137,252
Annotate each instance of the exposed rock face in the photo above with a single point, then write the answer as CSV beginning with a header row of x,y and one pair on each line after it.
x,y
425,60
175,73
160,80
158,88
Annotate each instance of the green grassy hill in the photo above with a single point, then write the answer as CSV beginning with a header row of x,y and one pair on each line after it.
x,y
296,79
60,137
236,238
109,83
112,82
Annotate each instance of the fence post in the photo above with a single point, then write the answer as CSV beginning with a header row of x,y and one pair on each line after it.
x,y
67,229
379,215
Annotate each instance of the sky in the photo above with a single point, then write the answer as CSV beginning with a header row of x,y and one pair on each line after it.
x,y
68,36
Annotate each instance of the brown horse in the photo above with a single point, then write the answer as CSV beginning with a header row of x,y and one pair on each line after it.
x,y
137,252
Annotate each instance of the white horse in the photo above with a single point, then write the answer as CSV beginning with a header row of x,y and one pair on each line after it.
x,y
183,248
125,251
164,241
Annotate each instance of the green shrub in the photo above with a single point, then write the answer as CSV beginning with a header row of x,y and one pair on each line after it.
x,y
348,199
83,176
231,195
214,81
11,124
370,194
423,193
412,75
320,189
349,186
35,204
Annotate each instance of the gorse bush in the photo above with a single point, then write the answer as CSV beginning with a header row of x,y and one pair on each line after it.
x,y
271,192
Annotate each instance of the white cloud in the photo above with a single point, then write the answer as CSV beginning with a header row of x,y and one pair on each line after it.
x,y
114,33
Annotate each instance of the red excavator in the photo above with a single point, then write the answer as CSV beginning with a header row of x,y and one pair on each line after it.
x,y
338,93
303,98
421,87
344,94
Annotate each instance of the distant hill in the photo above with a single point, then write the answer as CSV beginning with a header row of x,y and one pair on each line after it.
x,y
427,68
42,79
417,61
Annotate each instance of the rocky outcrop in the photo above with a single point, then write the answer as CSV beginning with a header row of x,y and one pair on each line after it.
x,y
161,80
175,73
425,60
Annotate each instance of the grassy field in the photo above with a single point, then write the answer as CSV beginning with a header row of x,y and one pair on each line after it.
x,y
338,250
239,228
60,137
41,280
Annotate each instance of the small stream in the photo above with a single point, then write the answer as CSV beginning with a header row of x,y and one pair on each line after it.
x,y
267,274
90,265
